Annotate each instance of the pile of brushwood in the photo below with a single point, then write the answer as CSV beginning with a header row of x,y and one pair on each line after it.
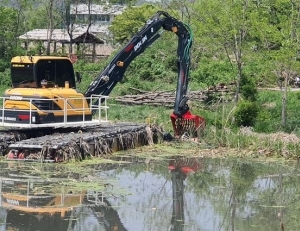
x,y
167,98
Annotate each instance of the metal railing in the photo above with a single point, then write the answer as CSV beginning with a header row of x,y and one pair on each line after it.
x,y
77,106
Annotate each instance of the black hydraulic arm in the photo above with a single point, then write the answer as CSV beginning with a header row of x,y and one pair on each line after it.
x,y
152,30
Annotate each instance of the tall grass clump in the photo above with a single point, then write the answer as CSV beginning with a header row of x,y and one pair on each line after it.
x,y
230,138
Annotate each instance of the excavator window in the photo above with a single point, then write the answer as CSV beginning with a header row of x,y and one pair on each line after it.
x,y
55,72
22,75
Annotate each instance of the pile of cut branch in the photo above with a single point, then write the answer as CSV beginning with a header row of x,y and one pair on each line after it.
x,y
167,98
157,98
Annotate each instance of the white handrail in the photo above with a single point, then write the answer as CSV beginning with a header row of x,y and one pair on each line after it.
x,y
65,110
9,117
30,111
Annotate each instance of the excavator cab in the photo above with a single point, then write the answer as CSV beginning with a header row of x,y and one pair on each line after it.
x,y
30,71
44,94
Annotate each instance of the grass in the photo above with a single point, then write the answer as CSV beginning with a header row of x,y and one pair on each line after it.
x,y
266,138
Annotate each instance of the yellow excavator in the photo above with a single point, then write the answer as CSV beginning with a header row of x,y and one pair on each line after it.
x,y
44,87
44,91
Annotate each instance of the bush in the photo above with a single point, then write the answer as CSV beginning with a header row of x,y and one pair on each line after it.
x,y
246,113
265,122
248,88
249,91
3,65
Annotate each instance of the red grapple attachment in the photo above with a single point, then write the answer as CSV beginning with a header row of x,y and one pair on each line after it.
x,y
188,123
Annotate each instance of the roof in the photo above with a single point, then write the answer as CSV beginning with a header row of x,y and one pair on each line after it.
x,y
94,28
35,59
61,35
96,9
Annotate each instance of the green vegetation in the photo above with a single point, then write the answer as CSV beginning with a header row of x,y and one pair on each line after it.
x,y
129,22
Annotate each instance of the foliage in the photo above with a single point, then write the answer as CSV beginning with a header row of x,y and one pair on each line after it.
x,y
34,20
37,49
246,113
264,121
8,23
123,2
157,63
5,81
130,21
212,72
268,119
88,71
248,88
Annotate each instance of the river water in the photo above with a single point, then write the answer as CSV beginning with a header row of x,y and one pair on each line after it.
x,y
136,194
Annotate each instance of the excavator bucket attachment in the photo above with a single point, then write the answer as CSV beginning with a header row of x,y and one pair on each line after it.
x,y
187,124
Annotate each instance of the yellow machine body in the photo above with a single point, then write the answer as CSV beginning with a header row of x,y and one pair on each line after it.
x,y
43,91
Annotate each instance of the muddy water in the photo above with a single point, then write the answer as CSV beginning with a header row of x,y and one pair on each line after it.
x,y
145,195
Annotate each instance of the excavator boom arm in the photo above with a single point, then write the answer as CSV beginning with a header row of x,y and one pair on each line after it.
x,y
152,30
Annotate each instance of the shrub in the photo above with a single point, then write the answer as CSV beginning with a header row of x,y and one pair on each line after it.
x,y
246,113
249,91
264,122
248,88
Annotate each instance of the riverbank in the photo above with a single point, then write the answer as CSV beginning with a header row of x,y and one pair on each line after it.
x,y
244,144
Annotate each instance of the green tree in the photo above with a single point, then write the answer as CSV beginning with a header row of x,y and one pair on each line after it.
x,y
248,88
38,20
279,30
8,28
221,27
286,57
130,21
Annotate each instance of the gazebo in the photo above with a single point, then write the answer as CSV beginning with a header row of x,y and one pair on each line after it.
x,y
60,37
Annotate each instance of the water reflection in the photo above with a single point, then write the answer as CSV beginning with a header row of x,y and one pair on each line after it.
x,y
33,203
180,168
175,194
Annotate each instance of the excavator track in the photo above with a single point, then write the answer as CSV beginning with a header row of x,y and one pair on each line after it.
x,y
12,136
64,144
8,137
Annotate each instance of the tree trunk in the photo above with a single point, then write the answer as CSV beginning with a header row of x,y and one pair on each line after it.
x,y
54,47
238,51
238,57
50,27
284,102
83,50
94,55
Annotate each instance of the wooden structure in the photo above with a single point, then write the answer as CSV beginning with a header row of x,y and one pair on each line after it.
x,y
60,39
